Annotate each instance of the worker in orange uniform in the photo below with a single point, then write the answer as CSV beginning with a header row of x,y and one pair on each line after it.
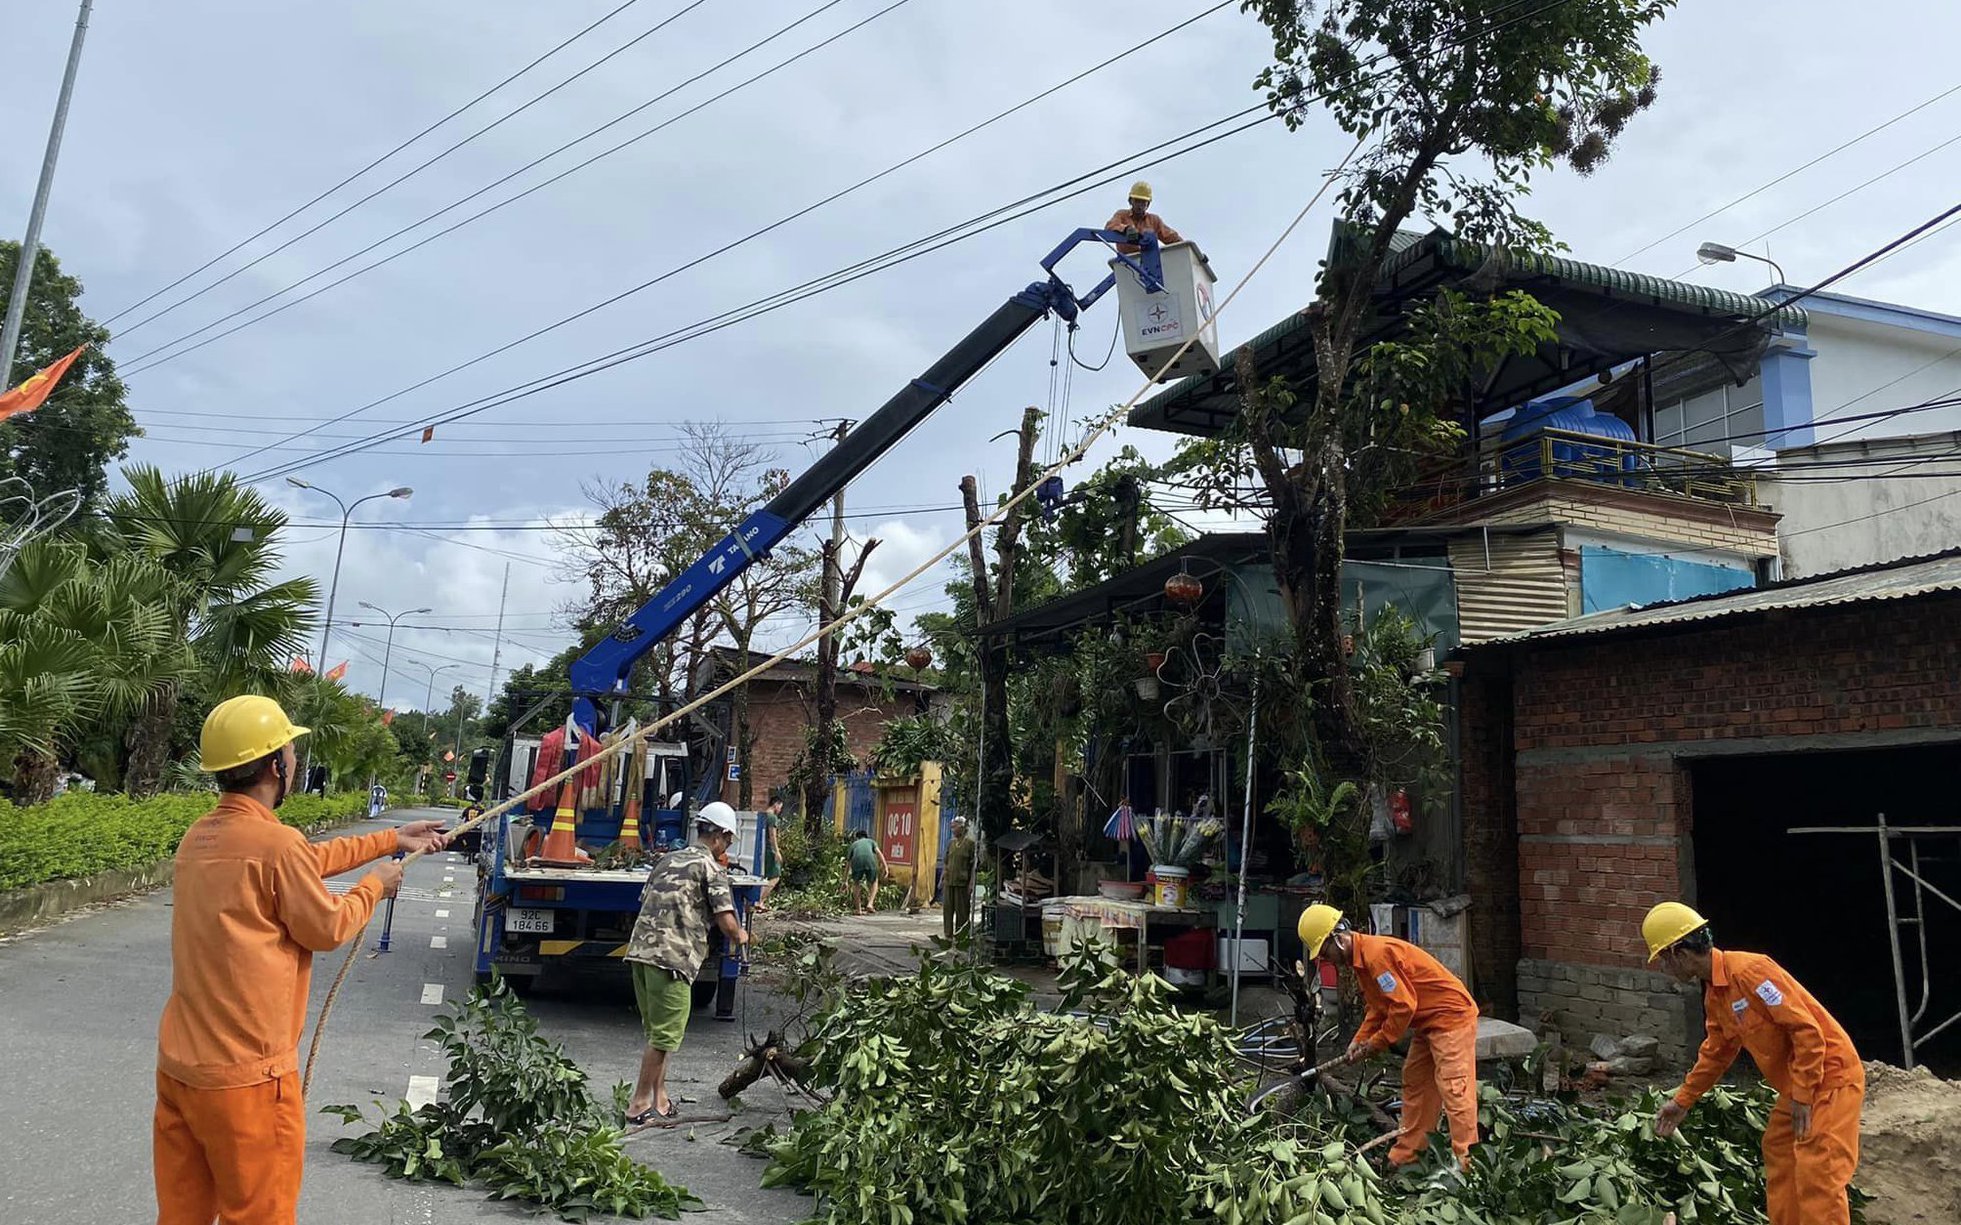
x,y
251,909
1811,1145
1408,991
1139,219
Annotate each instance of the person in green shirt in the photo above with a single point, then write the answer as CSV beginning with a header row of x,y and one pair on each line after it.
x,y
771,819
868,867
957,884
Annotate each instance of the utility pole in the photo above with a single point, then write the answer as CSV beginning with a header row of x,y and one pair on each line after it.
x,y
497,649
30,246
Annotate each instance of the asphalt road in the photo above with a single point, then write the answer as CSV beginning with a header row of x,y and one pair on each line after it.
x,y
79,1003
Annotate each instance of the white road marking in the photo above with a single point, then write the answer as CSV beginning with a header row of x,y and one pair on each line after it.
x,y
442,914
423,1091
439,942
432,993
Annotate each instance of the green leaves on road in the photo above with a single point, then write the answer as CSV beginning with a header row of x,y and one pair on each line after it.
x,y
519,1118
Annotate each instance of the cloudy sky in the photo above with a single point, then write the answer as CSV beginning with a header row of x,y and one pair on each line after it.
x,y
198,123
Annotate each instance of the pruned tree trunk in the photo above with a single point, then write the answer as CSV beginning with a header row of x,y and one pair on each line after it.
x,y
821,766
994,594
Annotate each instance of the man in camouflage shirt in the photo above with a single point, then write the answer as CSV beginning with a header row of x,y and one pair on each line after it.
x,y
687,892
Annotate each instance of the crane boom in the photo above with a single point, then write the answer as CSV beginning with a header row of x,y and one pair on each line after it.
x,y
605,668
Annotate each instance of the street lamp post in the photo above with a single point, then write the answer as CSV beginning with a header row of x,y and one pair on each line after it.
x,y
1717,253
429,696
333,586
388,654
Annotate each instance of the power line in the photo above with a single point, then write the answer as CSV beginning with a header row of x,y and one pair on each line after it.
x,y
1787,175
730,246
419,244
418,169
836,279
250,238
867,267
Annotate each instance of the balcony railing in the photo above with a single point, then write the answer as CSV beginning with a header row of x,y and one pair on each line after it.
x,y
1560,455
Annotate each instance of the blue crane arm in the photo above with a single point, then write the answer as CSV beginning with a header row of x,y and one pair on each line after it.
x,y
605,668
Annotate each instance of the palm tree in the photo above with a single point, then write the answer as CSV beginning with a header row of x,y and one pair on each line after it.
x,y
80,640
216,538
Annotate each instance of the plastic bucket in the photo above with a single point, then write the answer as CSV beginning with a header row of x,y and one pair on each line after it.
x,y
1171,884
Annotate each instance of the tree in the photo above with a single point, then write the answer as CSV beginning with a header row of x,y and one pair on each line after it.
x,y
650,533
1454,105
68,442
1106,525
219,541
826,750
81,641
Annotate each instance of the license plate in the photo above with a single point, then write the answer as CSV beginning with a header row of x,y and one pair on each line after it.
x,y
538,922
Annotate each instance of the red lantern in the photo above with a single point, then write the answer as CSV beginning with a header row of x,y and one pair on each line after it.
x,y
919,658
1183,590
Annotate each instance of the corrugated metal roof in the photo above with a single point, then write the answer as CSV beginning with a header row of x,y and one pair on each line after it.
x,y
1893,581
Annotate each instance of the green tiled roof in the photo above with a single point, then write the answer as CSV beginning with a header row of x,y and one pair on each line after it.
x,y
1416,262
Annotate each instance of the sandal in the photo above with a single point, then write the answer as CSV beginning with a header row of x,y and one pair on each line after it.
x,y
651,1114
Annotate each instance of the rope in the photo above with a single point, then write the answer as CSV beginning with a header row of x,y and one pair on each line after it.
x,y
1104,425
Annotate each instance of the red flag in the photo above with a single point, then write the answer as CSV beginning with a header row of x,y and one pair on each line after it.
x,y
301,666
29,395
337,671
387,717
428,433
449,755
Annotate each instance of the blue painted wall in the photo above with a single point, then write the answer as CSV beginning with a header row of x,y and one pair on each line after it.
x,y
1610,578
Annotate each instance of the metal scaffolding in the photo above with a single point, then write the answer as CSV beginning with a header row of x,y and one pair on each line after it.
x,y
1891,865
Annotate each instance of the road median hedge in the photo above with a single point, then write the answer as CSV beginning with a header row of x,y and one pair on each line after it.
x,y
80,834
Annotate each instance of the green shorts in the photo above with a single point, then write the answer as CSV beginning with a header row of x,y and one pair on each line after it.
x,y
665,1002
864,876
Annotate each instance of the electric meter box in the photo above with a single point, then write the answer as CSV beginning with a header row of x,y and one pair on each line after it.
x,y
1156,324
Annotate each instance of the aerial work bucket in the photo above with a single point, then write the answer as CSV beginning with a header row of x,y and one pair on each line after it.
x,y
1156,324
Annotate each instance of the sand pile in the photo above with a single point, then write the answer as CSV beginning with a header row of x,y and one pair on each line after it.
x,y
1910,1147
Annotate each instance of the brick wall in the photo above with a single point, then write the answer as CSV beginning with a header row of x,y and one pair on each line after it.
x,y
1600,801
778,714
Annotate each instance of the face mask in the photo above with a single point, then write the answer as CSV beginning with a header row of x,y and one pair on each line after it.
x,y
285,782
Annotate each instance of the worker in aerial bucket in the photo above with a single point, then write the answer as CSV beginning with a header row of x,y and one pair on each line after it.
x,y
1811,1144
1409,991
251,910
1138,219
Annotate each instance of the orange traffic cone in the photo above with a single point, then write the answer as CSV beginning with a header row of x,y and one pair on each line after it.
x,y
630,825
561,849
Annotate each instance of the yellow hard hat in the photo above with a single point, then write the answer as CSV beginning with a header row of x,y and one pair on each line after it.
x,y
1667,923
1140,190
243,729
1317,923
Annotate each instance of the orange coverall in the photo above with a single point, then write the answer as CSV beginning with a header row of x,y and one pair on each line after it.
x,y
1751,1004
1151,222
251,908
1406,989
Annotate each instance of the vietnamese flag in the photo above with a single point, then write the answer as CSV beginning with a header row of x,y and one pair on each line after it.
x,y
30,395
337,671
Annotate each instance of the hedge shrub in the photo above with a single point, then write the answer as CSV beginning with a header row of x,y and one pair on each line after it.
x,y
81,833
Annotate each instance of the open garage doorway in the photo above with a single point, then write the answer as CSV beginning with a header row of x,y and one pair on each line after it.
x,y
1816,903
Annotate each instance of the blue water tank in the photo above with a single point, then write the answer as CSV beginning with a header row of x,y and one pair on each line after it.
x,y
1522,456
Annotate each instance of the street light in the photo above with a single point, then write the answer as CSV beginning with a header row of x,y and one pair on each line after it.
x,y
333,587
389,652
428,698
1717,253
